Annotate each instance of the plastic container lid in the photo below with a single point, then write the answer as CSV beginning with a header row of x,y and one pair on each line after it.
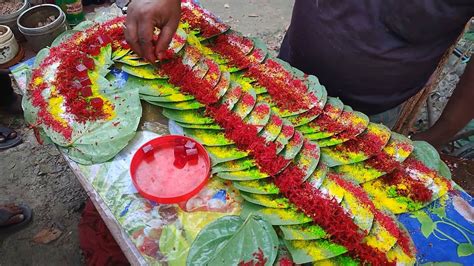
x,y
170,169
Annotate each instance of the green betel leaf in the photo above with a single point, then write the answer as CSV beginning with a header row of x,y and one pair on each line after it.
x,y
331,112
188,116
303,232
178,97
131,61
465,249
245,239
100,141
199,126
293,147
103,61
245,104
155,87
208,137
232,95
144,72
245,175
259,116
227,153
84,25
308,158
212,238
346,153
318,176
427,154
314,250
262,186
271,131
236,165
63,37
270,201
275,216
40,56
443,170
187,105
340,260
259,52
119,53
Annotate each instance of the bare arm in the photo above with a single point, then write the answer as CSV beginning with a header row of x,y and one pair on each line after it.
x,y
142,18
457,113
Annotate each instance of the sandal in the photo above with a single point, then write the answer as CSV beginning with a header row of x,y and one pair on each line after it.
x,y
8,138
14,217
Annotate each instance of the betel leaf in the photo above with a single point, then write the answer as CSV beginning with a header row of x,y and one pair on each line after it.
x,y
63,37
245,175
208,137
303,232
231,233
42,54
270,201
220,154
426,153
199,126
236,165
465,249
261,186
188,116
158,87
212,238
100,141
314,250
293,147
187,105
275,216
84,25
443,170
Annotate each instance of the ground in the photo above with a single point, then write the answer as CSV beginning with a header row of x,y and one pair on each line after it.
x,y
38,175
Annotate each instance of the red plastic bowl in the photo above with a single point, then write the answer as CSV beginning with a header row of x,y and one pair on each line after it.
x,y
158,177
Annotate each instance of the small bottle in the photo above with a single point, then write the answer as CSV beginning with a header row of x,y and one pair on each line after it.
x,y
73,10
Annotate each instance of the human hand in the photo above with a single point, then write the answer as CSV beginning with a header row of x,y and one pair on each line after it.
x,y
142,18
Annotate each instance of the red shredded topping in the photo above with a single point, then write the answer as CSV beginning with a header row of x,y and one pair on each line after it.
x,y
385,220
288,92
258,259
72,81
328,214
202,20
367,143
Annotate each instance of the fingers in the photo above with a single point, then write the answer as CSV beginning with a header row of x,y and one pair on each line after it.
x,y
131,34
145,39
166,35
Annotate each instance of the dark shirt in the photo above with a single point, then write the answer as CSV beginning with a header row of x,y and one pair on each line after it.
x,y
373,54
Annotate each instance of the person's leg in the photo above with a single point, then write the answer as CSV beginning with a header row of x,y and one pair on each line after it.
x,y
10,103
7,96
388,118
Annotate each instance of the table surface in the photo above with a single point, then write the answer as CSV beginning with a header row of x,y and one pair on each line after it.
x,y
150,233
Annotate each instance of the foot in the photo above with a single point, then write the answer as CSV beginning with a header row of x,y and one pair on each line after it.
x,y
11,214
8,138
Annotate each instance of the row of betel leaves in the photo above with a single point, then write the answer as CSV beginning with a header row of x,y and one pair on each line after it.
x,y
306,241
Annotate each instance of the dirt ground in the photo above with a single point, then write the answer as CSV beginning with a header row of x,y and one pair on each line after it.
x,y
38,176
